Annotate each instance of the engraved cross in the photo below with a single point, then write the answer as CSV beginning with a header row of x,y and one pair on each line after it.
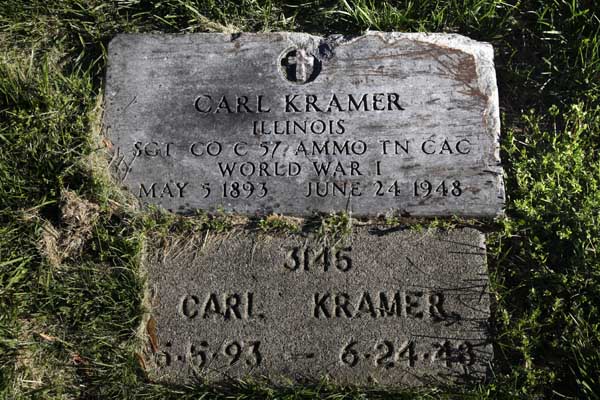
x,y
304,65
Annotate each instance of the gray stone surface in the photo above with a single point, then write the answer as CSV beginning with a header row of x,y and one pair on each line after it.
x,y
382,123
378,307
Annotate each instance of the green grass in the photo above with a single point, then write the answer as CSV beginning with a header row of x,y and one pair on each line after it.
x,y
71,292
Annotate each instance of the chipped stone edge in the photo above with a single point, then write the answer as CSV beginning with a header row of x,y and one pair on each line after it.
x,y
483,52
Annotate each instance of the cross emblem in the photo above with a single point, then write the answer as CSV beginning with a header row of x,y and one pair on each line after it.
x,y
299,66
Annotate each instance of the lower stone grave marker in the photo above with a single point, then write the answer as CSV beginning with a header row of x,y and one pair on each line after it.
x,y
295,124
377,307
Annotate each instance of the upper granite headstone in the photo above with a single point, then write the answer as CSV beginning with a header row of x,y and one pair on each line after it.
x,y
295,124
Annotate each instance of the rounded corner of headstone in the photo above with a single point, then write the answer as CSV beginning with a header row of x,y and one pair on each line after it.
x,y
118,41
475,235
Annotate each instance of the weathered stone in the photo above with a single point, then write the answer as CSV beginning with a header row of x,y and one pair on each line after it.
x,y
292,123
388,307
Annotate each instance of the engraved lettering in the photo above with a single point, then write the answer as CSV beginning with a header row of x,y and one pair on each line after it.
x,y
239,149
249,169
414,305
147,192
431,147
294,259
436,306
463,149
365,306
180,187
390,350
201,353
378,102
250,305
228,306
310,103
393,101
307,258
241,102
203,103
342,302
427,148
153,149
226,168
384,359
320,305
390,309
343,103
223,105
289,103
212,148
333,189
334,102
211,306
354,106
238,104
397,304
259,103
318,127
166,190
397,148
232,304
323,169
189,306
315,127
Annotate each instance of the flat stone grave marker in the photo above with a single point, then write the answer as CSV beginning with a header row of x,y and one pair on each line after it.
x,y
376,307
402,123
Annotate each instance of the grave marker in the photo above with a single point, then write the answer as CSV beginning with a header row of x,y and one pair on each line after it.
x,y
377,307
289,123
296,124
